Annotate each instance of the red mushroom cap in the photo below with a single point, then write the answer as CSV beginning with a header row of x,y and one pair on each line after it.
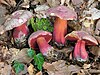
x,y
62,12
16,19
33,37
82,35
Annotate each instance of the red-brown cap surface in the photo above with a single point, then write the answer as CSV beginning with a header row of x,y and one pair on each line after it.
x,y
16,19
33,37
62,12
81,35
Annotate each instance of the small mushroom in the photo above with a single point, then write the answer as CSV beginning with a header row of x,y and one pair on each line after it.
x,y
83,38
62,14
41,38
18,22
16,19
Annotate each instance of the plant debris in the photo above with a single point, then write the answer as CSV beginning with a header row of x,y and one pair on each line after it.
x,y
49,37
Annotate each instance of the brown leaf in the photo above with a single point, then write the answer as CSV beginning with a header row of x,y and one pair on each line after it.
x,y
73,69
13,52
62,2
8,2
25,4
88,26
86,66
97,38
4,53
41,1
53,3
95,50
21,56
94,71
60,68
77,2
94,12
6,70
97,30
31,69
40,10
39,73
3,11
1,64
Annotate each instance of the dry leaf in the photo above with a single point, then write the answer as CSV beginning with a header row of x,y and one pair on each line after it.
x,y
1,64
88,26
86,66
53,3
95,50
67,2
3,2
60,68
39,73
97,30
3,11
82,72
97,38
95,13
21,56
6,70
94,71
35,2
8,2
13,52
25,4
41,1
31,69
40,10
71,56
55,68
77,3
4,53
90,2
62,2
73,69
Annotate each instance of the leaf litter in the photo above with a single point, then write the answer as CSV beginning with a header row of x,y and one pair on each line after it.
x,y
88,20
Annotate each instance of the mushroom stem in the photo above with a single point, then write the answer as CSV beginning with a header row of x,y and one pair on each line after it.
x,y
80,52
20,33
60,28
43,45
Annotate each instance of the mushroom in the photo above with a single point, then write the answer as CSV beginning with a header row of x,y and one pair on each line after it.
x,y
62,14
41,38
18,22
83,38
20,34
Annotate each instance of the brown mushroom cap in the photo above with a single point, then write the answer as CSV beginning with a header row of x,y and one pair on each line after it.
x,y
16,19
62,12
82,35
33,37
